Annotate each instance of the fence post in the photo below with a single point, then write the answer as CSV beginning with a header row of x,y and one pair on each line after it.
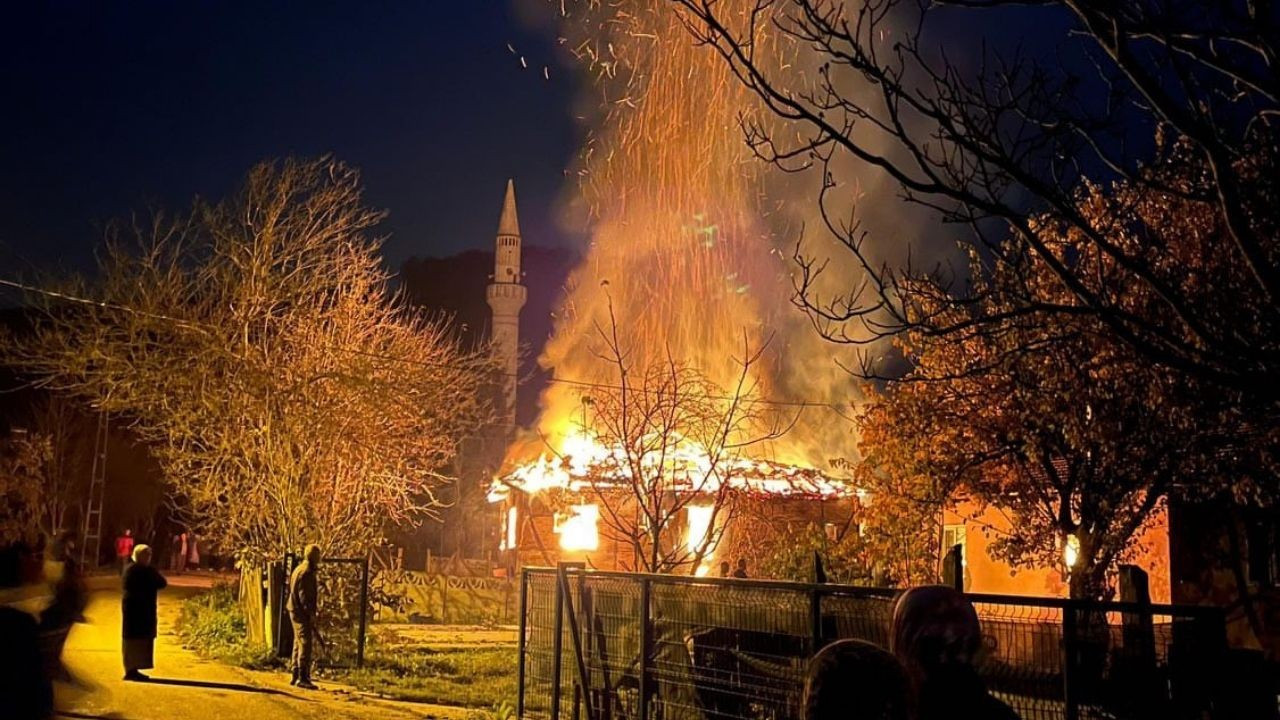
x,y
1070,645
815,618
364,610
444,598
562,572
646,646
557,645
520,642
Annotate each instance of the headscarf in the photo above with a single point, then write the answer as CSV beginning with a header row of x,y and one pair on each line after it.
x,y
855,680
934,626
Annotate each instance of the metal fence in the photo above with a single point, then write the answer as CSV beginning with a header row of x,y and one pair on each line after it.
x,y
342,616
617,646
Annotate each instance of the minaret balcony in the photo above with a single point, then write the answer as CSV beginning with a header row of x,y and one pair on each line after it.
x,y
508,295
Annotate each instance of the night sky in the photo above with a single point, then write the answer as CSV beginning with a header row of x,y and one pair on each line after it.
x,y
115,107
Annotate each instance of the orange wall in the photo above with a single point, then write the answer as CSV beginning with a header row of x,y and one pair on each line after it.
x,y
985,574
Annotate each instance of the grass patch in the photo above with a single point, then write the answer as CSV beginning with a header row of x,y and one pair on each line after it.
x,y
472,677
212,624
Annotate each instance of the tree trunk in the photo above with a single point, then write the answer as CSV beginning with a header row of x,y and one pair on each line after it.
x,y
1237,563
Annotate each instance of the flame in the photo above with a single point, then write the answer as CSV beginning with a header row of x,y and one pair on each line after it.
x,y
698,531
685,251
577,528
586,465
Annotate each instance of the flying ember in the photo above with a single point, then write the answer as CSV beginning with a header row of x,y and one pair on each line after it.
x,y
684,260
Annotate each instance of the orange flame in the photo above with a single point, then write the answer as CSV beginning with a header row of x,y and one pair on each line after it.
x,y
681,247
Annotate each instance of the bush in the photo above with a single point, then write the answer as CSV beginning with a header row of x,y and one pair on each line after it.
x,y
213,625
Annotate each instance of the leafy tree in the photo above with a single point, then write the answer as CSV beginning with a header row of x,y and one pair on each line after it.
x,y
289,395
24,459
1071,432
1001,141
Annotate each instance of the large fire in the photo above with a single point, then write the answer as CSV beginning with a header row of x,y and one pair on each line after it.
x,y
685,253
584,465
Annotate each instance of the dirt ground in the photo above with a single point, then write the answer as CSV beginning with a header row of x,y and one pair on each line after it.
x,y
186,686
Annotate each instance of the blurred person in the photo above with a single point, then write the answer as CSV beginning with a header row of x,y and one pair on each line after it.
x,y
138,606
182,553
193,552
70,597
741,570
855,680
302,603
724,568
26,692
175,547
937,637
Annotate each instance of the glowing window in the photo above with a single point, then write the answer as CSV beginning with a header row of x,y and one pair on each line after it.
x,y
577,528
509,537
1071,551
697,531
953,535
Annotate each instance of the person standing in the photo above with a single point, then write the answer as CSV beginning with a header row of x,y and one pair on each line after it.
x,y
182,552
138,606
124,548
302,603
741,570
193,553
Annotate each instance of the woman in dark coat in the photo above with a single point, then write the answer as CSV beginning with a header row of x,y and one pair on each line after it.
x,y
141,583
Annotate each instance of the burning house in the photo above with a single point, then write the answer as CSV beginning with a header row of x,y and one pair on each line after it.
x,y
599,498
686,512
687,259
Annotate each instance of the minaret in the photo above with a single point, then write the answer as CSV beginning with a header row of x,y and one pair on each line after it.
x,y
506,295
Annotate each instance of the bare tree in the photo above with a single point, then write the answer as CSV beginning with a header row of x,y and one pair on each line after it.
x,y
66,474
289,396
669,446
1002,142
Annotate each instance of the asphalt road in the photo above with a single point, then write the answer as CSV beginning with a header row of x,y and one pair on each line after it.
x,y
185,686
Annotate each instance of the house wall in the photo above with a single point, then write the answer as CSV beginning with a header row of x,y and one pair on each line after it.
x,y
986,574
756,524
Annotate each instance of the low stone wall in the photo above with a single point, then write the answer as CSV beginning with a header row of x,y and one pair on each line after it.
x,y
420,597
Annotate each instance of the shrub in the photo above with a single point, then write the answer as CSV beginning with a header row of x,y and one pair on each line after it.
x,y
213,625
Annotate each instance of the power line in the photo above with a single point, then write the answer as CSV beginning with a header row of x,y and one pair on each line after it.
x,y
802,404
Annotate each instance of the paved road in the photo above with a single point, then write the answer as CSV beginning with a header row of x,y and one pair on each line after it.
x,y
184,685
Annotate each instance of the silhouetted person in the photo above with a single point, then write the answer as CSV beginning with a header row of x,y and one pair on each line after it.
x,y
937,637
63,549
302,604
724,568
124,548
138,606
193,552
25,690
175,549
741,570
70,597
855,680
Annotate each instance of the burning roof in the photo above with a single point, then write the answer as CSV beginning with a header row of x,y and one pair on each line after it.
x,y
586,466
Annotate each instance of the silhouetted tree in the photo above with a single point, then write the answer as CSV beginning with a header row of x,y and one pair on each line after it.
x,y
289,396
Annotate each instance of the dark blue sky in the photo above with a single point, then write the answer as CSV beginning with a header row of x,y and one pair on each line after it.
x,y
114,106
